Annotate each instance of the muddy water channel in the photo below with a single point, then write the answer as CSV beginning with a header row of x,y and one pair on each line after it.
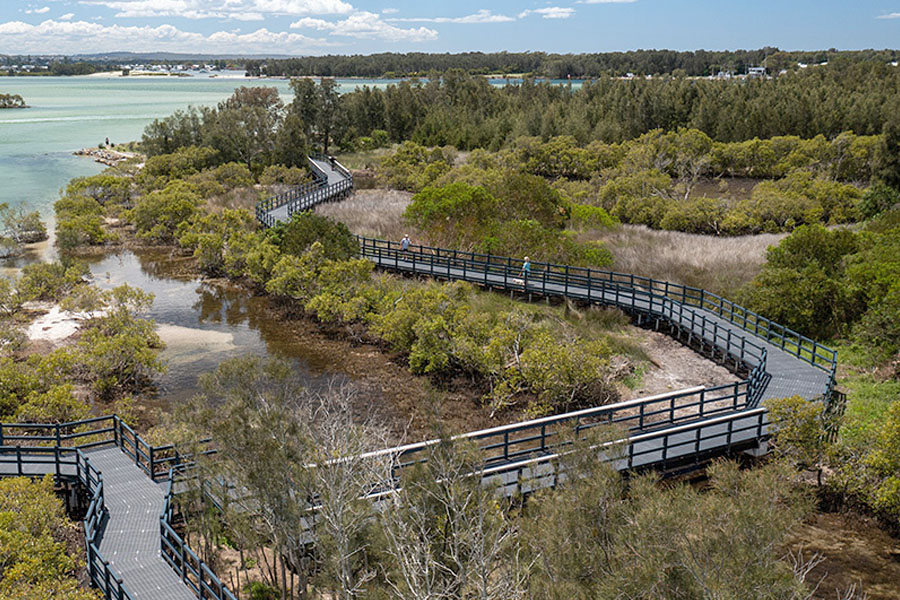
x,y
206,322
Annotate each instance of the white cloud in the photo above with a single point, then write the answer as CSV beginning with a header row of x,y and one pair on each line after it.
x,y
37,11
302,7
71,37
482,16
895,15
367,25
551,12
241,10
390,11
67,17
310,23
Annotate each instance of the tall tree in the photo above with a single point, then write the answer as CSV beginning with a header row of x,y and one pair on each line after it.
x,y
887,155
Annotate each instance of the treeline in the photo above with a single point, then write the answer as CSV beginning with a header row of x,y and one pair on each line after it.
x,y
467,112
61,68
555,66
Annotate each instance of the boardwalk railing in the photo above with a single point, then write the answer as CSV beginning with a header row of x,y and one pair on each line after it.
x,y
155,461
577,282
194,572
71,464
512,442
659,299
671,448
306,196
59,450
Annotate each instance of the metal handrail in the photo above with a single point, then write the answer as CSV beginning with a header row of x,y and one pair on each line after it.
x,y
83,471
156,461
657,412
797,344
194,572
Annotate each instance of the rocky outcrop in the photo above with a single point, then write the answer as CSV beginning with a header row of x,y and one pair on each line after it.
x,y
105,156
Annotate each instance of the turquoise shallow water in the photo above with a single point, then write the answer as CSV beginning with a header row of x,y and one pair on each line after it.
x,y
68,113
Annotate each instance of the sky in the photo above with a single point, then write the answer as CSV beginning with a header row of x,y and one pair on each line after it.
x,y
315,27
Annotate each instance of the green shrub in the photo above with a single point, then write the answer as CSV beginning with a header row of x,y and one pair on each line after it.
x,y
157,215
877,199
159,170
456,215
49,281
104,188
591,217
297,235
79,221
279,174
40,561
412,167
56,405
214,239
21,227
695,215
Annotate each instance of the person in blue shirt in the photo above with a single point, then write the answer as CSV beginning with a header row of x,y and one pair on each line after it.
x,y
526,268
404,243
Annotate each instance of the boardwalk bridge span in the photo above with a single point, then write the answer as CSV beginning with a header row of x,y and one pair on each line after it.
x,y
127,486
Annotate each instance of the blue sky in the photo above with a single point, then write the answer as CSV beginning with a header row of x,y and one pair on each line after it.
x,y
302,27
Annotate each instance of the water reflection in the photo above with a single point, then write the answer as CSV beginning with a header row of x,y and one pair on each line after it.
x,y
206,322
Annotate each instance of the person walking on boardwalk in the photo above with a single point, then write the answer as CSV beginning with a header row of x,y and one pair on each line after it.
x,y
404,243
526,268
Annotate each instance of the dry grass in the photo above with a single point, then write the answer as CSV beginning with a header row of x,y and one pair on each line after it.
x,y
244,197
364,159
377,213
718,264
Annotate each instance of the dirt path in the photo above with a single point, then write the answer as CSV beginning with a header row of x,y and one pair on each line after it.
x,y
673,367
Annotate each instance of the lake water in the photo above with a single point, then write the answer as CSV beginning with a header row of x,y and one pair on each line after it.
x,y
68,113
202,322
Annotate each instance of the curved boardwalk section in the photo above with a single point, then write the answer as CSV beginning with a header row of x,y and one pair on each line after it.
x,y
135,551
785,362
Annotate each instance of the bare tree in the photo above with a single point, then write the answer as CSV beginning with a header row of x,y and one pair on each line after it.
x,y
449,533
347,471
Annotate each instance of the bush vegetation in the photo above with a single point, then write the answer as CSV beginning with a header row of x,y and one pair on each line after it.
x,y
652,180
40,553
18,227
113,357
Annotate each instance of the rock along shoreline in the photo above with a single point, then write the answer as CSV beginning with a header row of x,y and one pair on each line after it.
x,y
110,158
